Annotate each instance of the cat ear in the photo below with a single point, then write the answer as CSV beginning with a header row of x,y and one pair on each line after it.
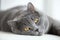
x,y
11,23
30,7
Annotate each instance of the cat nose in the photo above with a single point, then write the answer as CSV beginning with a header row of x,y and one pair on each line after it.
x,y
36,30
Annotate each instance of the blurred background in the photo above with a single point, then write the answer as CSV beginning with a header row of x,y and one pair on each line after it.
x,y
49,7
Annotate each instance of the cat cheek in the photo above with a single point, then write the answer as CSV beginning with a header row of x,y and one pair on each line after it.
x,y
15,30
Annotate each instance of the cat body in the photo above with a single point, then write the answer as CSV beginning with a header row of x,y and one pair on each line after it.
x,y
26,20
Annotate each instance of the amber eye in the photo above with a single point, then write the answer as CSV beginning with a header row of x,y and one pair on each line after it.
x,y
36,20
26,29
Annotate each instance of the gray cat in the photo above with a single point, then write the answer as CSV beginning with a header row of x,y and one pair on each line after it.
x,y
26,20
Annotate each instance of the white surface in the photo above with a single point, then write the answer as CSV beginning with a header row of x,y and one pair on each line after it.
x,y
9,36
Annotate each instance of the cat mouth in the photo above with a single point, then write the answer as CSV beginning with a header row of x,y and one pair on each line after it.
x,y
35,33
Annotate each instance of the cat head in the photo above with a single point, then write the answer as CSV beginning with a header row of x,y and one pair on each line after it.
x,y
28,22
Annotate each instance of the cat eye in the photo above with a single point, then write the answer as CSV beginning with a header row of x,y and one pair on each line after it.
x,y
36,20
26,29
